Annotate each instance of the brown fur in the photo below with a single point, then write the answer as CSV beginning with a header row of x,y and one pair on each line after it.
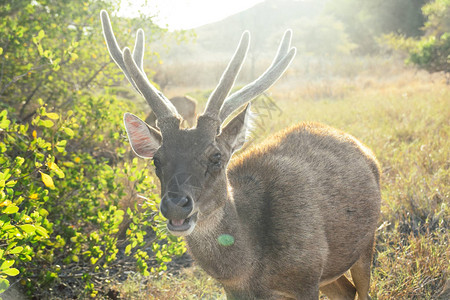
x,y
302,207
303,210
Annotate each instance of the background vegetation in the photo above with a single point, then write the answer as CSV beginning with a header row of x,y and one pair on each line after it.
x,y
70,214
78,215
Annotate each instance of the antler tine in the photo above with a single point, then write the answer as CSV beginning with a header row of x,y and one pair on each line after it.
x,y
155,97
113,46
228,78
138,51
282,60
157,103
284,47
138,57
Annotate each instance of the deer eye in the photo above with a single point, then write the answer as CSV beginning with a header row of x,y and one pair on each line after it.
x,y
215,159
156,163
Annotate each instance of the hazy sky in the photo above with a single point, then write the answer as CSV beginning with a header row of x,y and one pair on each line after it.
x,y
186,14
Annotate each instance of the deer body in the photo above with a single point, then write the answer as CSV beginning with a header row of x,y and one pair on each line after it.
x,y
300,210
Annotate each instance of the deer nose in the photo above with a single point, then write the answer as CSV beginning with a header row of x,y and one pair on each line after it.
x,y
176,208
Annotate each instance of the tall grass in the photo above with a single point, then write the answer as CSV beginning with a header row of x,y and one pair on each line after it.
x,y
408,129
403,116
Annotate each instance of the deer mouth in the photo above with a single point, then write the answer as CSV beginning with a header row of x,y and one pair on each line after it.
x,y
182,226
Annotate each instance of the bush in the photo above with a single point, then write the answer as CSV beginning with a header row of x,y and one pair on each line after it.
x,y
430,52
60,204
66,183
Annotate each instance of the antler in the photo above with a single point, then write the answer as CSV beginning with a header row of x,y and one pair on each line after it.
x,y
282,60
132,67
226,82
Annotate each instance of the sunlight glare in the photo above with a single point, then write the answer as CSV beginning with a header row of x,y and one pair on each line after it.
x,y
186,14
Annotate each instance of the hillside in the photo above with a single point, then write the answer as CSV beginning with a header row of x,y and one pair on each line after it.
x,y
263,20
314,34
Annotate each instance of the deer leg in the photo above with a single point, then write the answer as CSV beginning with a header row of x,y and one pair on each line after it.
x,y
340,289
361,273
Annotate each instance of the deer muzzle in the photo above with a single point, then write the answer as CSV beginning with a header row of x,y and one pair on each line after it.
x,y
179,212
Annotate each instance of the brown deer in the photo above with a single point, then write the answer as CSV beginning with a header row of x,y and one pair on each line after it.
x,y
280,221
186,106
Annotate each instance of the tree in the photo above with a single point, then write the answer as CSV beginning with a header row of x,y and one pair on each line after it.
x,y
368,19
322,35
431,51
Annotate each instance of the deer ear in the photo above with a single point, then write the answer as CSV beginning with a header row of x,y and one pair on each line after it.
x,y
235,133
144,139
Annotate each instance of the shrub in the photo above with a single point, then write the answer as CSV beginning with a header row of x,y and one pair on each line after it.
x,y
64,168
431,51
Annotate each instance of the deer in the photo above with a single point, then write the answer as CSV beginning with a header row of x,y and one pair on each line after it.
x,y
186,106
285,219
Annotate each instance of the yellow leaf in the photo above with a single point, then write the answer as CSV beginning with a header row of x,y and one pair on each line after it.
x,y
5,203
33,196
52,165
47,180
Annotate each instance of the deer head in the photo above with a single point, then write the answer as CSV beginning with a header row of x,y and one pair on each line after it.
x,y
191,163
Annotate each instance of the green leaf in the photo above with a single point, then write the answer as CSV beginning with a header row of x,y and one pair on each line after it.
x,y
11,272
4,285
11,245
53,116
46,123
19,161
68,131
43,212
69,164
61,143
73,56
4,122
41,34
11,209
16,250
28,228
11,183
6,264
41,231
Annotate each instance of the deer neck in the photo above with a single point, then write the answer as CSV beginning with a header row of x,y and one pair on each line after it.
x,y
219,243
223,220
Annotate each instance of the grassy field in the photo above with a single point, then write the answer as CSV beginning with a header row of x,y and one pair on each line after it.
x,y
404,119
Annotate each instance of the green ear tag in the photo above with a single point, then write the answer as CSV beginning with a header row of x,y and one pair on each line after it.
x,y
225,240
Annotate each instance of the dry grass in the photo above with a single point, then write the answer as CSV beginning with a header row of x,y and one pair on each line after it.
x,y
191,283
403,115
